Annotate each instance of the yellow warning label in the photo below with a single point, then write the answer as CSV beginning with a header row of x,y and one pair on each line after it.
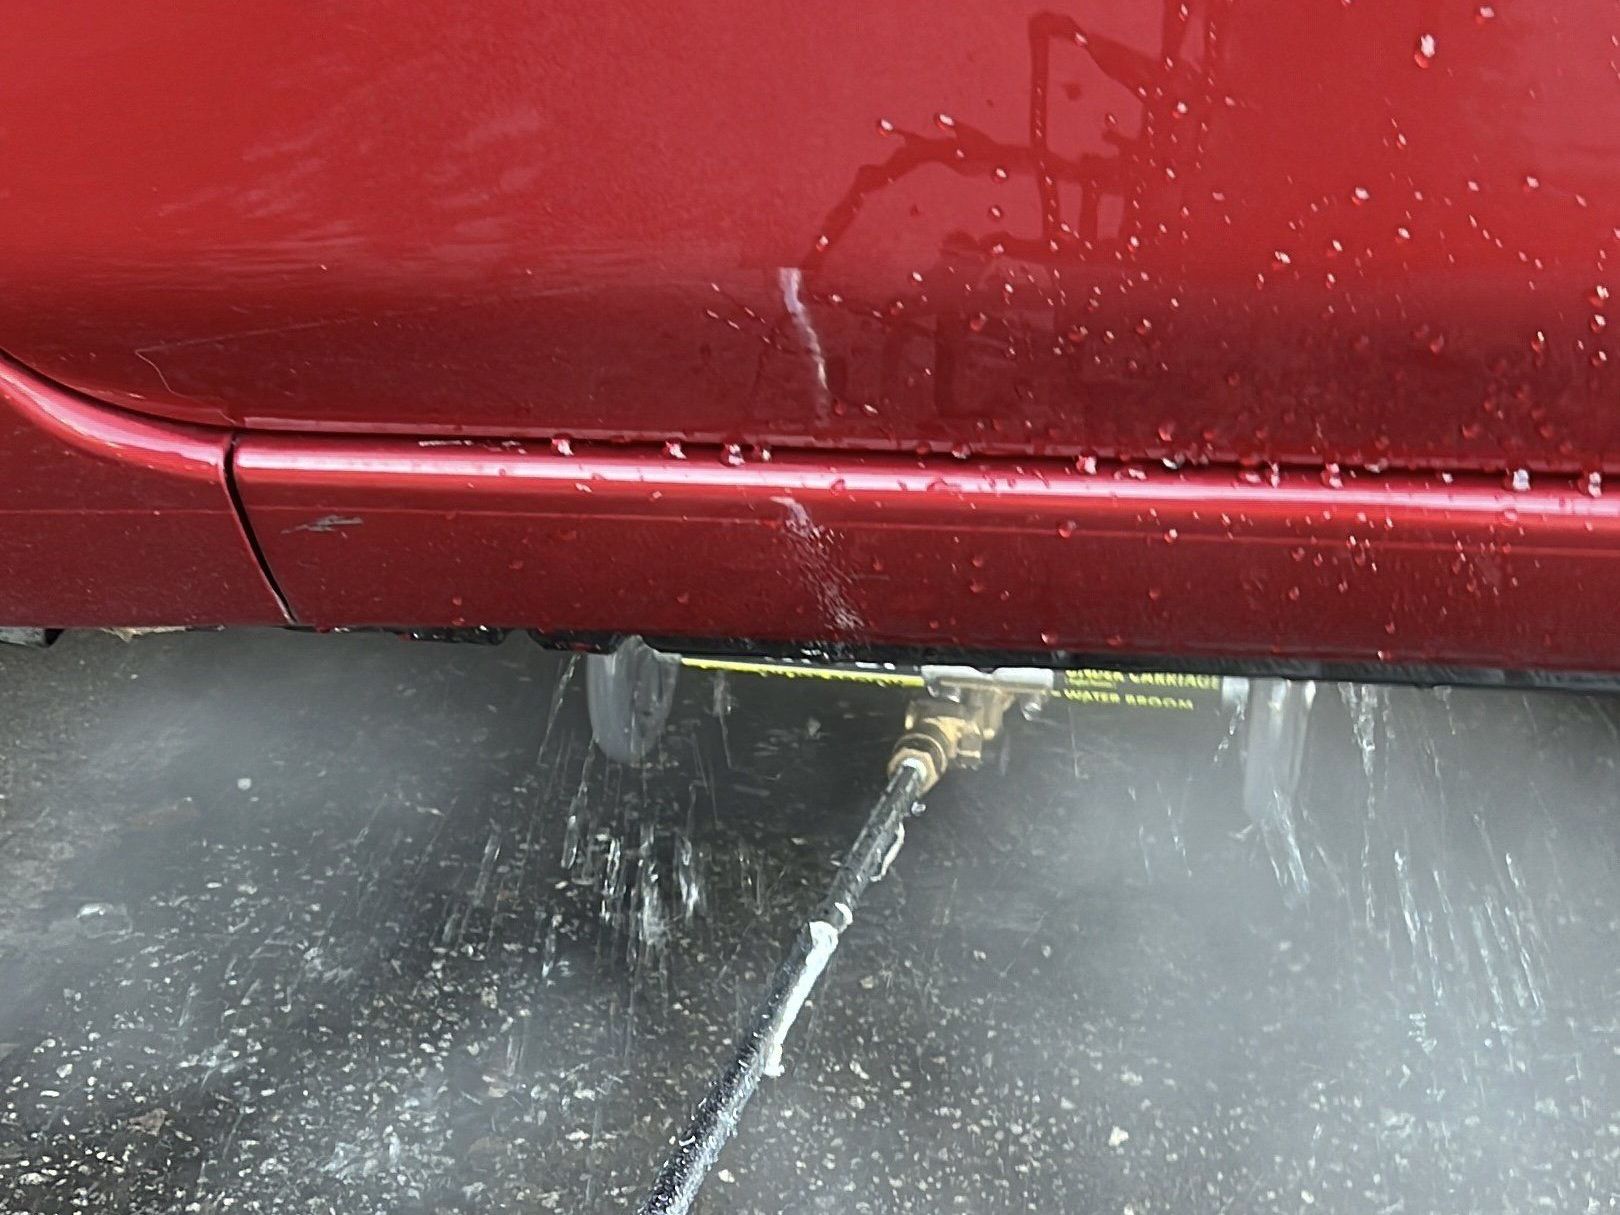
x,y
1101,677
1138,689
1170,691
884,678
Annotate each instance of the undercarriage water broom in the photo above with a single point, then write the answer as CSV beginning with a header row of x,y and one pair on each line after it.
x,y
961,711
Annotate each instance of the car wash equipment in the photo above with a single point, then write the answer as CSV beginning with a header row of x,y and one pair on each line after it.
x,y
962,710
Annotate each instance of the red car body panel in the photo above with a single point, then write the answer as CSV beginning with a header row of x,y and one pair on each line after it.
x,y
112,520
1374,233
923,256
874,551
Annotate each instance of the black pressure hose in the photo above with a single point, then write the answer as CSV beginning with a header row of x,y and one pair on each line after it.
x,y
759,1052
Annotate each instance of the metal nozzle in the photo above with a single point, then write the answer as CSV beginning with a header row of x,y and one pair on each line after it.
x,y
942,732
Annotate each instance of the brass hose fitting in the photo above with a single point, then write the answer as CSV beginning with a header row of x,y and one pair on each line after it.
x,y
940,732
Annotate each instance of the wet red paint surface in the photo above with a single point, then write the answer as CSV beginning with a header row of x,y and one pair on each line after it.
x,y
107,520
1308,232
887,274
983,555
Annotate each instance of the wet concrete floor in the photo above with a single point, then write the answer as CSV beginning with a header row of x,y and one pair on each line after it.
x,y
348,924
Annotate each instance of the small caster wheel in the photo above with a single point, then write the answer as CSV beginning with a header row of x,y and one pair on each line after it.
x,y
629,693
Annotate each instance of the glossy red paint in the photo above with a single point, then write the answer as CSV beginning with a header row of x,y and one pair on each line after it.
x,y
1269,230
109,520
975,554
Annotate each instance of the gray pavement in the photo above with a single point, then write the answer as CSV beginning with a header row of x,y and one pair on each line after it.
x,y
345,924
